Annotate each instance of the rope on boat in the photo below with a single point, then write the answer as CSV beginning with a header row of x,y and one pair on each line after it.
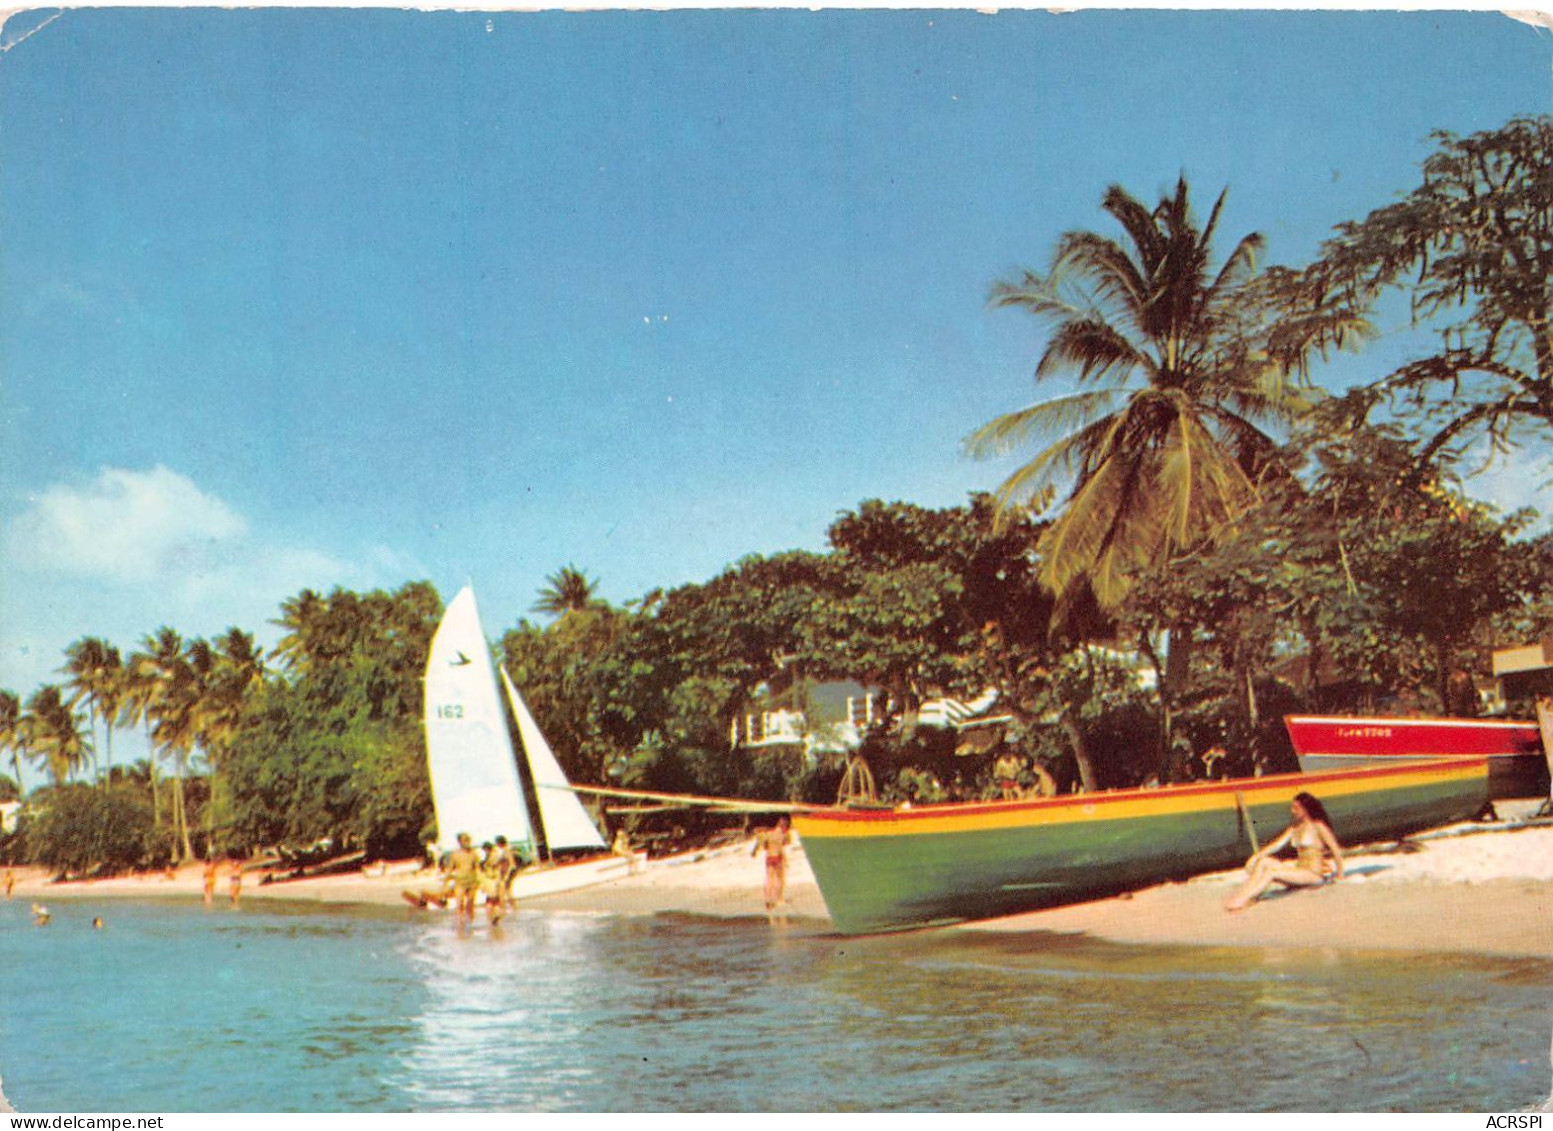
x,y
691,800
626,810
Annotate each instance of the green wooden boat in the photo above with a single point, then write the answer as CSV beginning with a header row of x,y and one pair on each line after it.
x,y
889,870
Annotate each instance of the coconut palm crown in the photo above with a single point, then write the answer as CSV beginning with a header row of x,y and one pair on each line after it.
x,y
1180,371
567,590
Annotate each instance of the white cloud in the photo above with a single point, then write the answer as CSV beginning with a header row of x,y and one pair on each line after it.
x,y
124,526
126,552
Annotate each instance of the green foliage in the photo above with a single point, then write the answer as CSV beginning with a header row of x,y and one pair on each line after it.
x,y
336,751
1342,569
590,690
1473,246
291,769
393,791
81,830
896,629
1109,718
1373,571
914,785
307,766
930,602
1530,616
1414,568
737,626
1183,370
373,645
568,590
50,731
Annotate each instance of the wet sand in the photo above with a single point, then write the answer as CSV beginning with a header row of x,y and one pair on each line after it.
x,y
1480,889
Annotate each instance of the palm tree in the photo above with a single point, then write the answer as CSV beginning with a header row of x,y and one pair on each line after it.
x,y
164,693
1179,370
51,733
303,617
567,590
140,689
231,669
10,733
1182,373
96,677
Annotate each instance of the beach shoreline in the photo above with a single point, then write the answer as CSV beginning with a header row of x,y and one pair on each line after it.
x,y
1482,889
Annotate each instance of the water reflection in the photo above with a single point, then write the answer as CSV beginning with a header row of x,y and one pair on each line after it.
x,y
577,1013
502,1016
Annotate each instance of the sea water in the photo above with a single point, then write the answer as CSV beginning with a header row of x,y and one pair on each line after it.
x,y
173,1007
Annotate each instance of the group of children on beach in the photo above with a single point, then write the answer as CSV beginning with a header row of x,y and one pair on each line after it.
x,y
468,875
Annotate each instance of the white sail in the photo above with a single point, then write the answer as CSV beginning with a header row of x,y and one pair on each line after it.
x,y
474,776
566,822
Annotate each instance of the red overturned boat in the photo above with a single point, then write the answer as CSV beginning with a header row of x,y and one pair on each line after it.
x,y
1517,765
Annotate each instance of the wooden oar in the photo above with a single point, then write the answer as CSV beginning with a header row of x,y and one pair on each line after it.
x,y
1245,819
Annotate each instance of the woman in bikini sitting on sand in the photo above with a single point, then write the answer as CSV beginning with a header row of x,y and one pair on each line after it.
x,y
1313,841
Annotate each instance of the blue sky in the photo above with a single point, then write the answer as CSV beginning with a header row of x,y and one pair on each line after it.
x,y
313,298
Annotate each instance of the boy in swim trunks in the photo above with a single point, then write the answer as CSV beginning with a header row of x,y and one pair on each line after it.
x,y
774,840
464,870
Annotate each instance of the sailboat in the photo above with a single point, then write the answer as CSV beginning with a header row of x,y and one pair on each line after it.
x,y
492,772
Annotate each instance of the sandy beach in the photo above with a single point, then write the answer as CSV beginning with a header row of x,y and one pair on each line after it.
x,y
1471,888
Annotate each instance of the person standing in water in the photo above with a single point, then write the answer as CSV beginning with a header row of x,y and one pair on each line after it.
x,y
493,881
775,841
1311,835
506,872
464,870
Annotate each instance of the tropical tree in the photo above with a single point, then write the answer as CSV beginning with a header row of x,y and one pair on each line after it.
x,y
1421,568
96,678
164,692
229,671
920,602
51,733
10,730
1183,374
81,831
335,749
1530,618
1473,247
1181,370
140,689
567,590
304,617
